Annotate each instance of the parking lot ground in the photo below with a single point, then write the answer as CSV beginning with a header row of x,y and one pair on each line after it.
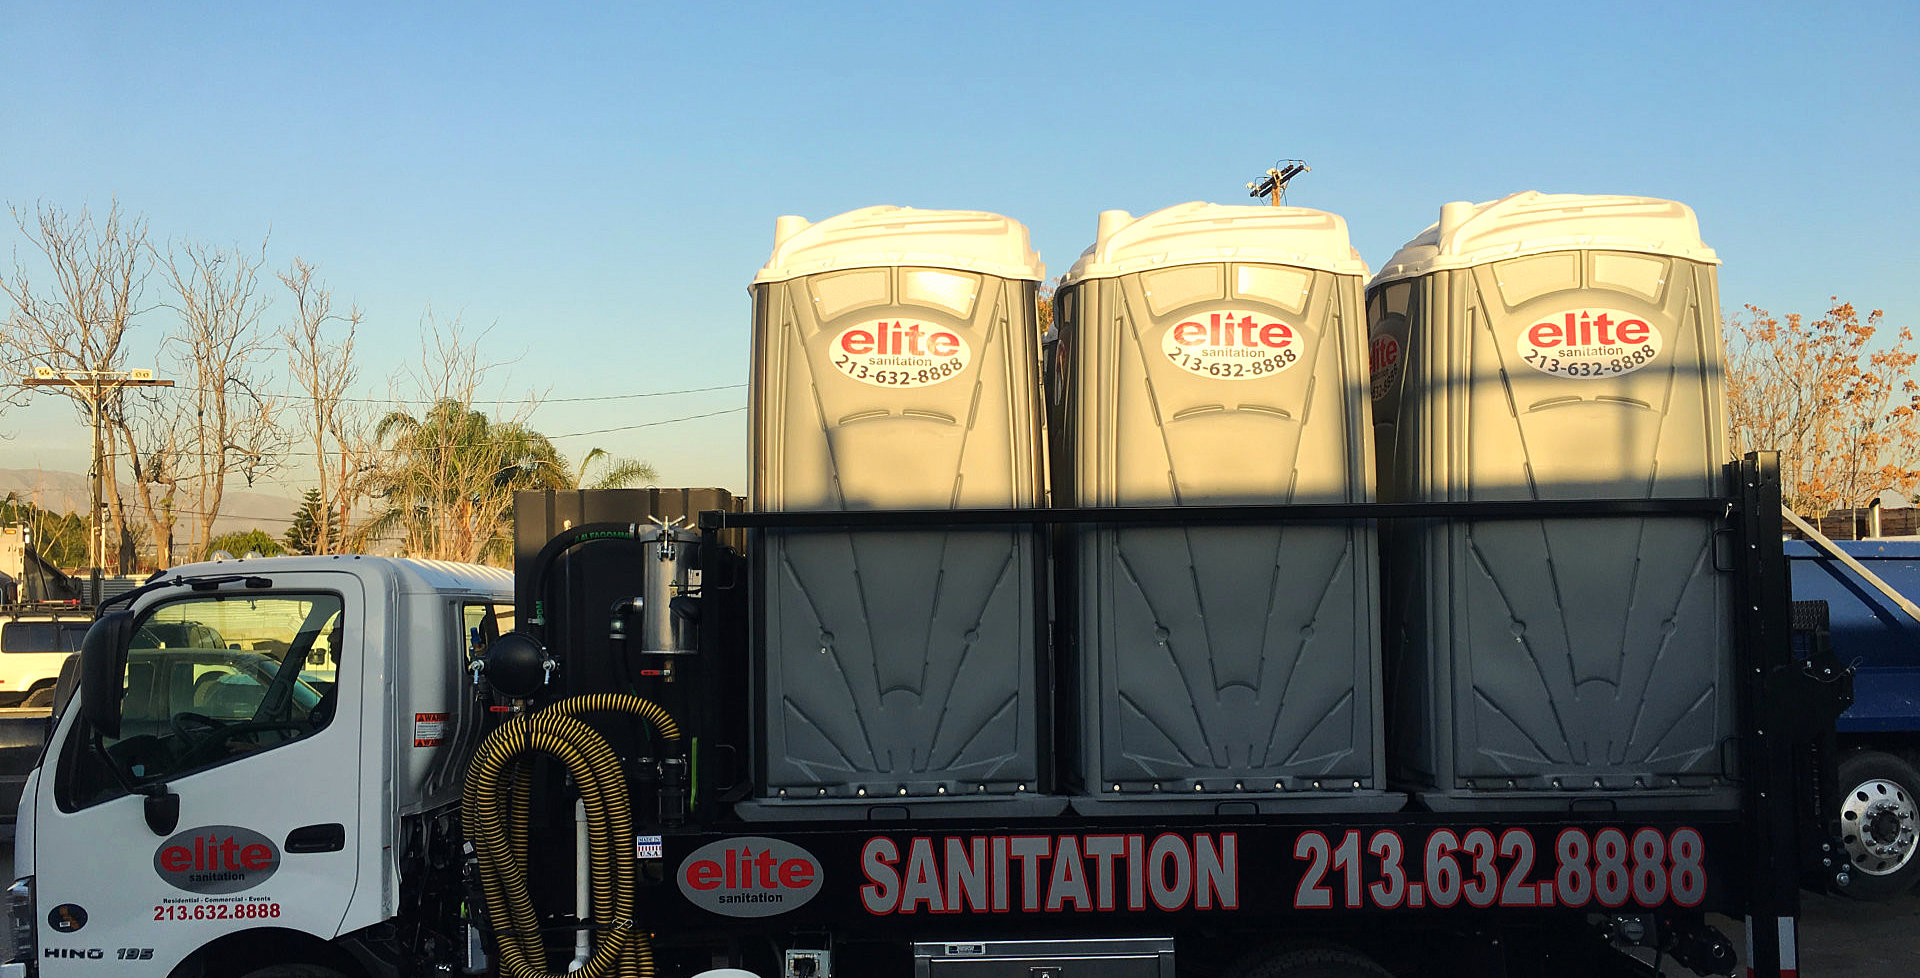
x,y
1843,937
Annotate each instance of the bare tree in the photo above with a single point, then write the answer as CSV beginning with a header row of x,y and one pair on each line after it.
x,y
154,450
227,419
324,368
79,321
448,472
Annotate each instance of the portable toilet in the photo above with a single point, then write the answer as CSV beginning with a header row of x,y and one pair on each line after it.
x,y
1556,347
1215,355
896,367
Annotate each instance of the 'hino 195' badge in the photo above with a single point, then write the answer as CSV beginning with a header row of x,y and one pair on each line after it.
x,y
216,859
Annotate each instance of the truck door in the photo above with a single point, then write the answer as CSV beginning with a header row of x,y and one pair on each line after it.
x,y
265,765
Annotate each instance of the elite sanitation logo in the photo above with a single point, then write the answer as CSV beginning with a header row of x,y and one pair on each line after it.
x,y
749,876
217,859
900,353
1231,344
1589,344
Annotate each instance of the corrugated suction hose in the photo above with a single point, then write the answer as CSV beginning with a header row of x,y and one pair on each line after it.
x,y
495,817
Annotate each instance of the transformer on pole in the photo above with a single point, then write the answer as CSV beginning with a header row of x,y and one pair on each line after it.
x,y
1274,184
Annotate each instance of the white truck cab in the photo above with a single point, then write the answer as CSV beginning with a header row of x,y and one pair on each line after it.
x,y
232,815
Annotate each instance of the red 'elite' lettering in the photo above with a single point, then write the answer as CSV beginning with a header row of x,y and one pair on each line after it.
x,y
1382,353
745,869
703,874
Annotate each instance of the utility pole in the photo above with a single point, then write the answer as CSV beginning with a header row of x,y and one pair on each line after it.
x,y
94,387
1274,184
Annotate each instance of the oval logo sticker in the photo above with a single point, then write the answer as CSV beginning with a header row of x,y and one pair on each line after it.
x,y
1231,344
216,859
749,877
1589,344
900,353
1383,360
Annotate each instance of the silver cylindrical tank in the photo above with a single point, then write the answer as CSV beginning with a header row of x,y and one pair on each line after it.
x,y
670,564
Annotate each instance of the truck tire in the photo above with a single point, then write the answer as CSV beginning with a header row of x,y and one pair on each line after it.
x,y
1311,962
1880,824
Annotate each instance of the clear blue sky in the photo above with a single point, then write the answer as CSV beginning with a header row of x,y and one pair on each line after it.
x,y
600,185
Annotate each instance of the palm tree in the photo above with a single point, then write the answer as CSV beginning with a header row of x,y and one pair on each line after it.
x,y
448,478
620,473
449,475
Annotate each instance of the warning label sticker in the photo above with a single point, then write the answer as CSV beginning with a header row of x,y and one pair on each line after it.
x,y
429,729
1231,344
1589,343
900,353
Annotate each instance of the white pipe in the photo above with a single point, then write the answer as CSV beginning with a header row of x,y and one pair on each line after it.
x,y
582,938
1820,540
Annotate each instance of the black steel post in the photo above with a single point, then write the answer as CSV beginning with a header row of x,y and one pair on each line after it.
x,y
1763,653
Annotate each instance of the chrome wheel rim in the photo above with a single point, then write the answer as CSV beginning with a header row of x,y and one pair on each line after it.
x,y
1880,825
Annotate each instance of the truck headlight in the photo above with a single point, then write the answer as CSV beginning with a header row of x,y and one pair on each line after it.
x,y
21,920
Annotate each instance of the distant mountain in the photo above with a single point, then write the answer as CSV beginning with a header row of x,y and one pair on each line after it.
x,y
240,508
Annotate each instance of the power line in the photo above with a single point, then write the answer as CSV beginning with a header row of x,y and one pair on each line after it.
x,y
649,424
537,401
292,453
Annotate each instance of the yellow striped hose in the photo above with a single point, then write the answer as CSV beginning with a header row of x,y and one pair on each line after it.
x,y
495,817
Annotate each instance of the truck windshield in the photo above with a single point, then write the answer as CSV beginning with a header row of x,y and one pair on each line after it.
x,y
210,679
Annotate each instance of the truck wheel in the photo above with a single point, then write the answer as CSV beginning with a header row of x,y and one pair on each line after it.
x,y
1312,962
1880,824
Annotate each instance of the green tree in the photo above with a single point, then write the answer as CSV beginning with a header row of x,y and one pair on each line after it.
x,y
59,538
619,473
239,544
313,523
448,477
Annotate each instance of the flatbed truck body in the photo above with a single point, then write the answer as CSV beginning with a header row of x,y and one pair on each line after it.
x,y
376,829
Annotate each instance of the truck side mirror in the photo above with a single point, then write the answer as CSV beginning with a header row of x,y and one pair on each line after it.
x,y
103,670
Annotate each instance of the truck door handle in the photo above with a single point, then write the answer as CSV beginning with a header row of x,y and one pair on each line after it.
x,y
331,837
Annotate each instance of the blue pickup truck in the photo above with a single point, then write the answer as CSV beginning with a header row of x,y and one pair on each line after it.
x,y
1879,736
